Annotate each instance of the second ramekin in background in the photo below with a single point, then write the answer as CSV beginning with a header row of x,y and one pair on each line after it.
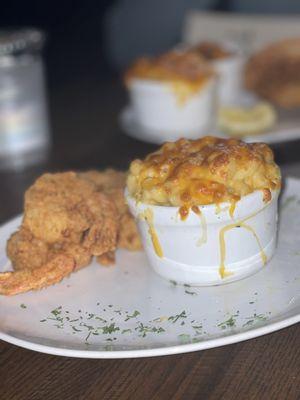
x,y
164,106
228,63
230,75
172,93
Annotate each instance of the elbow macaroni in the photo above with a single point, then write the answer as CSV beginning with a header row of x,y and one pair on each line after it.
x,y
204,171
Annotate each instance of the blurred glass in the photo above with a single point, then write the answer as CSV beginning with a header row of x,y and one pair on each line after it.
x,y
24,131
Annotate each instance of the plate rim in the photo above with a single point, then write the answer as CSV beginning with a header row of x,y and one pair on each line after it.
x,y
231,338
282,135
160,351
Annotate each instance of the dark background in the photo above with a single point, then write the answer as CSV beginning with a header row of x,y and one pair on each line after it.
x,y
84,77
84,70
85,98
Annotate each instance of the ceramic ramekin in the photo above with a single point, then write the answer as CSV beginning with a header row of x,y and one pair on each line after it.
x,y
217,246
157,107
230,77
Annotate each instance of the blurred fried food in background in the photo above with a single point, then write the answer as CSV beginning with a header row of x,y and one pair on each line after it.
x,y
274,73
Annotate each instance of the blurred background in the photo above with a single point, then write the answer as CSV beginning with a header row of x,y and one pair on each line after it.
x,y
86,47
106,35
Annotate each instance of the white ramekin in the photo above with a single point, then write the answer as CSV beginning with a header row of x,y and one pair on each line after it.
x,y
230,77
192,249
157,107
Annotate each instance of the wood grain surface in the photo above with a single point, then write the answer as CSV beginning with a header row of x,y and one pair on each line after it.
x,y
84,116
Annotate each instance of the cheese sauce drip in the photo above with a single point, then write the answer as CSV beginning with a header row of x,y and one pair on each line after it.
x,y
242,224
147,215
184,212
232,208
222,270
203,238
183,91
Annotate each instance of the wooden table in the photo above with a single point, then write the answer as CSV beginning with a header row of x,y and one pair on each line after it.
x,y
86,134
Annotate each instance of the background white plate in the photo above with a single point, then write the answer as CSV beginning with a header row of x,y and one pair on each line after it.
x,y
286,129
128,311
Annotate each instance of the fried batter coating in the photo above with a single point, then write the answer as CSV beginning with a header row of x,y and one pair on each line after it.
x,y
56,209
129,237
52,272
81,255
106,180
107,258
67,220
112,183
25,251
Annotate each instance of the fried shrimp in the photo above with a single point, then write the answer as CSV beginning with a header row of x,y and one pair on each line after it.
x,y
52,272
112,183
68,218
67,221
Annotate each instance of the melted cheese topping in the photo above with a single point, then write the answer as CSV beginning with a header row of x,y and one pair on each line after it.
x,y
211,51
186,71
209,170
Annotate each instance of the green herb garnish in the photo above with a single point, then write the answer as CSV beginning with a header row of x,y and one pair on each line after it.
x,y
191,293
110,329
144,329
185,338
134,315
229,323
175,318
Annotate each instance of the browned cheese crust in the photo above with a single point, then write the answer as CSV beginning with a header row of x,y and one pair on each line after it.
x,y
211,51
209,170
175,66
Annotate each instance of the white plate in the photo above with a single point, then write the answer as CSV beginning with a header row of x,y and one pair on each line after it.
x,y
133,129
128,311
287,129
